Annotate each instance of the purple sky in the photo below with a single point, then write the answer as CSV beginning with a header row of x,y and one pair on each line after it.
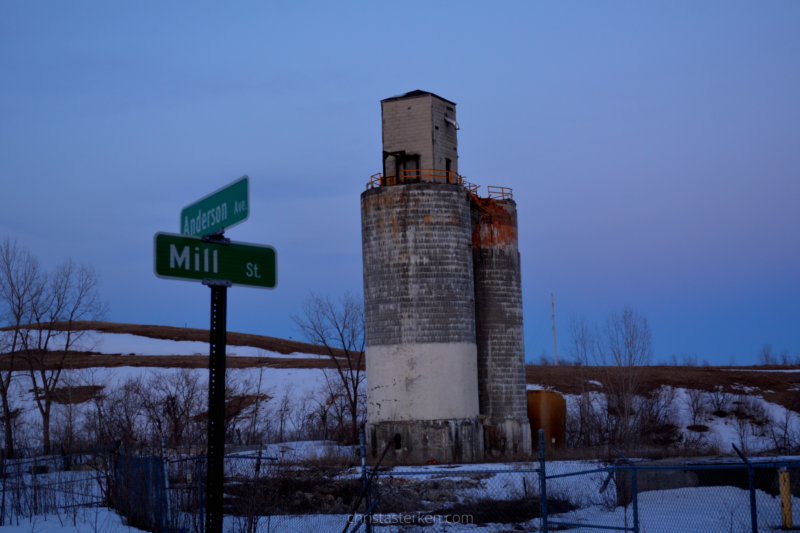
x,y
654,150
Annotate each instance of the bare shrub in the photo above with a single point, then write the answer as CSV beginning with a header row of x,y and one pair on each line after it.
x,y
656,419
784,431
688,359
742,427
696,402
719,401
121,417
170,404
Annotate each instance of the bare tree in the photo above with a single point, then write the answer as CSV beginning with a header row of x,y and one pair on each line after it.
x,y
766,356
171,403
338,326
544,359
122,419
255,415
20,279
96,381
70,295
623,350
580,348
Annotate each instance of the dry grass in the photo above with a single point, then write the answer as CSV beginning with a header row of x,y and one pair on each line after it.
x,y
273,344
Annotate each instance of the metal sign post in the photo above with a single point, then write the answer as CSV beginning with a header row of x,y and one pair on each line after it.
x,y
200,253
215,478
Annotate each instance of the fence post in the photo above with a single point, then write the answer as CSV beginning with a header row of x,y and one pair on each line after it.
x,y
752,479
634,490
542,482
200,495
165,464
368,503
3,476
786,498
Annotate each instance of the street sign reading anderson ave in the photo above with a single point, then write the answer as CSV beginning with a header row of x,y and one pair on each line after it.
x,y
192,259
220,210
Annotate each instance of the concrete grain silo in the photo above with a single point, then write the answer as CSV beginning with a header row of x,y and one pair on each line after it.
x,y
498,318
425,365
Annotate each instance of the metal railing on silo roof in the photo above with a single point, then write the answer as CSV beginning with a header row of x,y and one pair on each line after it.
x,y
499,193
430,175
415,175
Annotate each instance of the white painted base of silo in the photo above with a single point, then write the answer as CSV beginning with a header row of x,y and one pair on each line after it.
x,y
426,441
507,437
422,381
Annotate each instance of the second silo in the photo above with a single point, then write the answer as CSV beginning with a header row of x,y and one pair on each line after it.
x,y
498,318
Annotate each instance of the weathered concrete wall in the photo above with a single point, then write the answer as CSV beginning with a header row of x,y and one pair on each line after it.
x,y
417,125
422,381
445,138
417,442
417,260
499,334
407,126
420,320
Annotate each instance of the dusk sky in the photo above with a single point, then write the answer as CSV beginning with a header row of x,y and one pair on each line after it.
x,y
653,149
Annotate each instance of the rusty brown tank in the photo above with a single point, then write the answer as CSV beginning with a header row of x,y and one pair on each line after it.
x,y
547,410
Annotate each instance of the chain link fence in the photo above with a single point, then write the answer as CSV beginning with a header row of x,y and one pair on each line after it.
x,y
166,494
698,495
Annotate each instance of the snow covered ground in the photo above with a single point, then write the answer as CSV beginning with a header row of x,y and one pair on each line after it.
x,y
82,520
722,431
761,370
128,344
274,382
706,509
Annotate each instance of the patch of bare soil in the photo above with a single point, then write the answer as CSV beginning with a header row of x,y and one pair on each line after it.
x,y
77,360
235,405
76,395
273,344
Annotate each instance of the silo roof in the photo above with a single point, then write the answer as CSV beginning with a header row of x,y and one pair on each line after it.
x,y
415,94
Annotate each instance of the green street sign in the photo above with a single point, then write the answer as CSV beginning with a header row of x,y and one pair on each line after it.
x,y
220,210
193,259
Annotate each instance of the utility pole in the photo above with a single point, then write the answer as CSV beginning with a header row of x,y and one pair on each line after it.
x,y
555,350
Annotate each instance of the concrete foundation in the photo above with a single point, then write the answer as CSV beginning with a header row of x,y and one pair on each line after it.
x,y
424,441
507,437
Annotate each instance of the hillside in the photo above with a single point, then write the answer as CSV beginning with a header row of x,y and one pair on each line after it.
x,y
776,384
